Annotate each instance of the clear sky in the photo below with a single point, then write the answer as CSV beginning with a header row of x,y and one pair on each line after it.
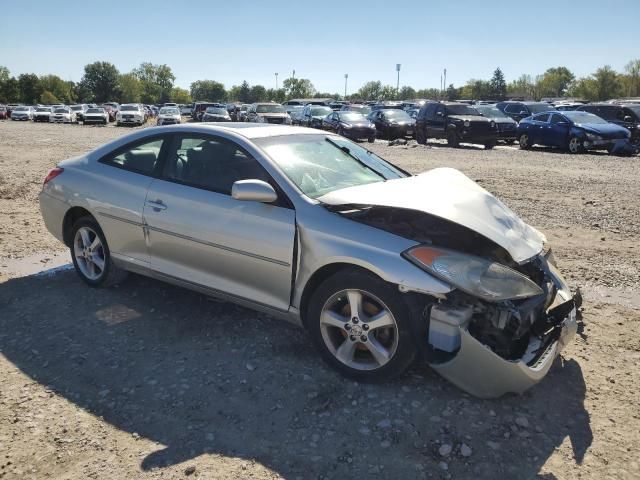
x,y
231,41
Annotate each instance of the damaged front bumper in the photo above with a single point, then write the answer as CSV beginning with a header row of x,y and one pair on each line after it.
x,y
477,370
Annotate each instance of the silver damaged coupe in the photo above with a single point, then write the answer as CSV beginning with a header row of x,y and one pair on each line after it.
x,y
383,268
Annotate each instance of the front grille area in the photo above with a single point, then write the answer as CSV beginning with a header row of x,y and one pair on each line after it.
x,y
275,120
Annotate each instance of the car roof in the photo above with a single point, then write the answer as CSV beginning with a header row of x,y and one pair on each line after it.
x,y
254,130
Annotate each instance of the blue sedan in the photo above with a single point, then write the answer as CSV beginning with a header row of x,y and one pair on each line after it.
x,y
573,131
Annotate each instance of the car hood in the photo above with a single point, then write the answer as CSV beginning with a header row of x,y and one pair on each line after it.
x,y
470,118
448,193
273,115
365,123
602,128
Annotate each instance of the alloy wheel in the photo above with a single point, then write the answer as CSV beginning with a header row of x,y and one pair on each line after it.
x,y
359,329
89,253
574,145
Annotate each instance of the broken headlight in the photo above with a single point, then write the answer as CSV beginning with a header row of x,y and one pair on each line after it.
x,y
476,276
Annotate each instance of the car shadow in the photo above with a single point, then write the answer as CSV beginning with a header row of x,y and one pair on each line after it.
x,y
201,376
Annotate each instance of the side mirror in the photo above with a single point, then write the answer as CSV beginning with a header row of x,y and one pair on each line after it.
x,y
440,114
523,112
628,118
253,190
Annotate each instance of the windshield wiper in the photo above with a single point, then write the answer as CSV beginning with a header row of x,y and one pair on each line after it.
x,y
346,150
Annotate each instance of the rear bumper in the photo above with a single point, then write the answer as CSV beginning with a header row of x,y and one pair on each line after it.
x,y
480,372
478,137
359,133
53,212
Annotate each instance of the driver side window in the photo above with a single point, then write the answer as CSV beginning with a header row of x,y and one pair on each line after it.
x,y
210,163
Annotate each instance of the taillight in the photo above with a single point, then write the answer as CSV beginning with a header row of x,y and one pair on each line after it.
x,y
53,173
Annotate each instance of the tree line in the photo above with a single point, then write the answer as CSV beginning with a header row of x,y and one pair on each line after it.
x,y
151,83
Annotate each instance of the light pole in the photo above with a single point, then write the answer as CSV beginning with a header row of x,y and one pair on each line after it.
x,y
276,80
398,84
346,76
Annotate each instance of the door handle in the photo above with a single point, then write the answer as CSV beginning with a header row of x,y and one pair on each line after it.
x,y
157,205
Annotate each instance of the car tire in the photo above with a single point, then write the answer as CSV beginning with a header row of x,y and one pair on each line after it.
x,y
489,145
421,136
575,145
371,139
524,141
91,256
452,138
359,350
340,131
118,124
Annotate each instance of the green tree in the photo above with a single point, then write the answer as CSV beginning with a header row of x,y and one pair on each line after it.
x,y
370,91
48,98
100,80
180,95
452,93
523,87
477,90
498,86
244,92
428,93
298,87
258,93
632,78
61,89
30,90
555,82
9,90
278,95
157,82
208,90
604,84
4,74
407,93
129,88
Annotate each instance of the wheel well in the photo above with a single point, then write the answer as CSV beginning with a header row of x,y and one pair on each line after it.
x,y
320,276
72,215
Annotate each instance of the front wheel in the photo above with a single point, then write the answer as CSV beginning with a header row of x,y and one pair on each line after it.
x,y
91,256
361,326
575,145
371,139
489,145
524,141
421,136
452,139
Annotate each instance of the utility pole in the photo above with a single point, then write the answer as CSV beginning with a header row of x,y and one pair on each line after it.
x,y
398,83
276,80
440,84
444,85
346,76
294,74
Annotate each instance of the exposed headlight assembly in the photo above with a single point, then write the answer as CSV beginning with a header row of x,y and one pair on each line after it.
x,y
490,281
467,123
592,137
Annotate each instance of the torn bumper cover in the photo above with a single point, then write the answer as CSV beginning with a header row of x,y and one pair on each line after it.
x,y
477,370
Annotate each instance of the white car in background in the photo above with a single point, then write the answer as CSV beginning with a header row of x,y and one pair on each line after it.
x,y
79,111
169,116
186,110
22,113
42,114
130,114
96,115
63,115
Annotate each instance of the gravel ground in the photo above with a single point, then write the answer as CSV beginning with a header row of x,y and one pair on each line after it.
x,y
147,380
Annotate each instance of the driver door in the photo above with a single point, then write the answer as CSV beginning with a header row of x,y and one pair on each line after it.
x,y
197,232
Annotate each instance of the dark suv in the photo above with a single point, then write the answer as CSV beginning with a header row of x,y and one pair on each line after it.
x,y
457,122
627,116
520,110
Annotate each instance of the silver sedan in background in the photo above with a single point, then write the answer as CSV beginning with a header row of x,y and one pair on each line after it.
x,y
381,267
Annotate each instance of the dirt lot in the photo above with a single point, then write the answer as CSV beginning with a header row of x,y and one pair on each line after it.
x,y
151,381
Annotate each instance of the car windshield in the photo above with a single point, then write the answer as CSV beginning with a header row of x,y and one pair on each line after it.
x,y
169,111
43,109
22,109
635,109
363,109
539,107
394,114
583,117
461,110
75,108
490,112
270,109
352,117
95,110
320,111
61,110
128,108
216,111
319,164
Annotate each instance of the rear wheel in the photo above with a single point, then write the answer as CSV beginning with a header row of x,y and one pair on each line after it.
x,y
452,138
360,325
490,145
421,136
371,139
575,145
91,256
524,141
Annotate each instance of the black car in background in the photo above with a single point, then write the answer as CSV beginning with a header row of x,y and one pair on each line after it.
x,y
457,122
353,125
216,114
507,126
312,115
625,115
520,110
393,123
